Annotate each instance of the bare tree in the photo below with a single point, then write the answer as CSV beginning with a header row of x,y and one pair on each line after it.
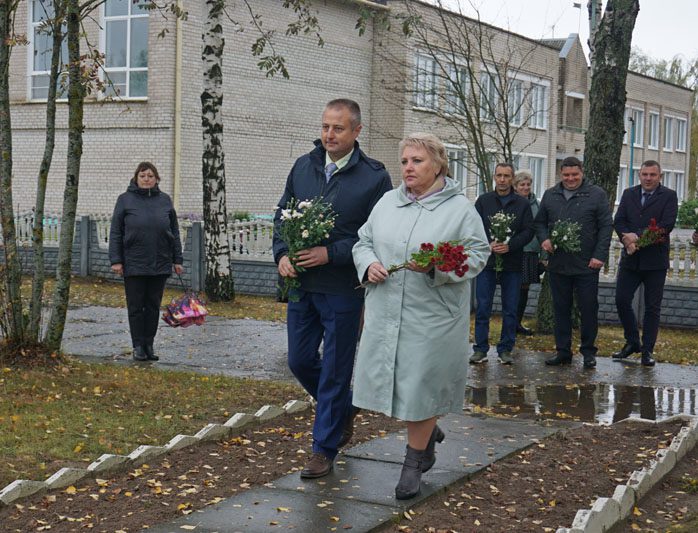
x,y
603,141
474,78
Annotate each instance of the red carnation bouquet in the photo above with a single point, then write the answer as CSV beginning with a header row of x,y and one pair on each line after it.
x,y
652,235
448,256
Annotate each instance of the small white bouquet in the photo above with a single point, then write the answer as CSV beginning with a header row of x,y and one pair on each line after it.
x,y
304,224
501,232
565,236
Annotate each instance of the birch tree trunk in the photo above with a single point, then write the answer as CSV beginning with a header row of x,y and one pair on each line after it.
x,y
219,283
13,269
604,137
76,98
35,305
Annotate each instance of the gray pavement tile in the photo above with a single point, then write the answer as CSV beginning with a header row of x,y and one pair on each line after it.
x,y
266,510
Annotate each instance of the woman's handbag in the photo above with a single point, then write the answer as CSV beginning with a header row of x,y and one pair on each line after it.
x,y
186,310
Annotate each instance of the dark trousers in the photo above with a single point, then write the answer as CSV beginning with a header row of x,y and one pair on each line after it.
x,y
485,286
334,321
143,298
586,288
627,283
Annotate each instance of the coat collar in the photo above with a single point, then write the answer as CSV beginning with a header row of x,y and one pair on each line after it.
x,y
318,154
582,189
430,202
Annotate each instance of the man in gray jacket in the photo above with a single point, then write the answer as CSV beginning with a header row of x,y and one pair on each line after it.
x,y
577,200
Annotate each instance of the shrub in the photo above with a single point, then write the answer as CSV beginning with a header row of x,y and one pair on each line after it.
x,y
688,214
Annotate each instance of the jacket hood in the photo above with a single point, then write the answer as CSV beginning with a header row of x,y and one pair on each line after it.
x,y
134,188
430,202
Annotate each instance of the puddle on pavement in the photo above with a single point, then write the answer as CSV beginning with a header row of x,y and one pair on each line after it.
x,y
600,403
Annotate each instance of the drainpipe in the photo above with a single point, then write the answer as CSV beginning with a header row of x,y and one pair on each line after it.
x,y
177,178
631,172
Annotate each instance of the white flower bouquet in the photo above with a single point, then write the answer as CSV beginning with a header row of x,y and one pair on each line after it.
x,y
501,232
304,224
565,236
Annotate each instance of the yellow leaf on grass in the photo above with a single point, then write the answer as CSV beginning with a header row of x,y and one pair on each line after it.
x,y
71,490
78,448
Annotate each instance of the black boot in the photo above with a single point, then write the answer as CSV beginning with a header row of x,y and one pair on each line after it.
x,y
139,353
647,359
411,476
559,359
149,352
429,455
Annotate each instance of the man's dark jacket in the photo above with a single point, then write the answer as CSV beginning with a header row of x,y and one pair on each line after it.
x,y
352,191
633,217
588,206
144,234
489,204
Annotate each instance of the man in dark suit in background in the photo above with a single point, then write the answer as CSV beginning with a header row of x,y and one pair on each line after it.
x,y
647,265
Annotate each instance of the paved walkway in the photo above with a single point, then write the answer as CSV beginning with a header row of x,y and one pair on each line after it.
x,y
359,494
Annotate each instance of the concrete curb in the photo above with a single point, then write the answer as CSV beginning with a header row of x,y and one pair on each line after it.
x,y
108,463
605,513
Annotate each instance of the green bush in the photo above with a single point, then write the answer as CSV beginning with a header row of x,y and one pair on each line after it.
x,y
688,214
241,215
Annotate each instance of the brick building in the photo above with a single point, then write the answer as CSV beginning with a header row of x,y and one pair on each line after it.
x,y
269,122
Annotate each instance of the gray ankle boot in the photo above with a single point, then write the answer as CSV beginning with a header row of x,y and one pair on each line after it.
x,y
437,435
411,476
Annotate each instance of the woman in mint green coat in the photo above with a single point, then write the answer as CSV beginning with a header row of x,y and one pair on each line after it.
x,y
412,359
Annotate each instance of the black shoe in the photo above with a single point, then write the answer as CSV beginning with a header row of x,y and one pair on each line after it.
x,y
411,475
150,353
627,350
523,330
348,429
139,354
647,359
559,359
429,454
589,361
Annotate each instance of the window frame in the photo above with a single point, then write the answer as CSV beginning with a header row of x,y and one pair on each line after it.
x,y
31,73
670,119
127,69
457,164
680,176
653,130
488,100
515,111
680,141
457,75
539,182
538,115
425,97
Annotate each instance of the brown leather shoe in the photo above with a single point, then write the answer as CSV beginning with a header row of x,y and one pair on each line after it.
x,y
348,429
318,465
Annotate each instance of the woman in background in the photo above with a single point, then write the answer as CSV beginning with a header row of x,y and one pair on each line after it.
x,y
144,247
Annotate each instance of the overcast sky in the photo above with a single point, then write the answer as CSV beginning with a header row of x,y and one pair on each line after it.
x,y
664,28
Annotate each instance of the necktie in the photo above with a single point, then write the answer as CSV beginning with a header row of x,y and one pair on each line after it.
x,y
329,170
645,197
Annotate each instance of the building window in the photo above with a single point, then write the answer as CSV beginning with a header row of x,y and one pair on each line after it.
x,y
668,179
488,97
456,166
126,48
622,183
680,135
457,89
668,134
425,82
538,118
638,121
40,51
515,102
680,185
653,141
537,167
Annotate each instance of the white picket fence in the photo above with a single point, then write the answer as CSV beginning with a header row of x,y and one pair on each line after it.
x,y
251,240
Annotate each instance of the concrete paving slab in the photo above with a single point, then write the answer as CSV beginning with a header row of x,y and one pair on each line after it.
x,y
470,442
266,510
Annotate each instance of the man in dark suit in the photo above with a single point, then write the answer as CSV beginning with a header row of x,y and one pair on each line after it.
x,y
327,309
647,265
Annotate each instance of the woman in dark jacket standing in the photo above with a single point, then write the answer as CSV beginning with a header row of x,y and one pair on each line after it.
x,y
144,247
